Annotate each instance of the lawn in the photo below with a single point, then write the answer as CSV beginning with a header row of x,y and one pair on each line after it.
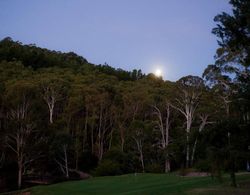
x,y
146,184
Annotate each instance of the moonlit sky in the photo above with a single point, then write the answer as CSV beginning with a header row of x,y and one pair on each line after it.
x,y
171,35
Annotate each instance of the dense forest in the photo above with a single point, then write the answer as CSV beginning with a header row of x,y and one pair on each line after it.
x,y
61,116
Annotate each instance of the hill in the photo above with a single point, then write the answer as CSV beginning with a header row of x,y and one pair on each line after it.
x,y
36,57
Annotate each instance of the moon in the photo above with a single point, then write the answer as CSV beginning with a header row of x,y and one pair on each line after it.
x,y
158,73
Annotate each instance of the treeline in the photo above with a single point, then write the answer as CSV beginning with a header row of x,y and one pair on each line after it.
x,y
35,57
67,115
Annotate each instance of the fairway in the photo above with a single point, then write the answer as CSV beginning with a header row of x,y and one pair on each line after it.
x,y
145,184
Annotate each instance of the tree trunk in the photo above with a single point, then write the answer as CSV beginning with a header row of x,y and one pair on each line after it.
x,y
142,162
187,106
164,131
51,116
139,148
189,119
122,135
187,151
85,133
167,166
204,122
111,139
66,161
100,142
193,151
77,158
20,169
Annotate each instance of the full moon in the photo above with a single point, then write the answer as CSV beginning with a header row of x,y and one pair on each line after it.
x,y
158,73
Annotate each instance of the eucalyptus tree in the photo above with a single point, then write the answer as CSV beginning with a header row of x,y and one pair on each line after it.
x,y
99,94
232,31
75,115
162,110
61,145
132,98
164,124
221,84
230,74
21,128
137,129
53,86
207,114
233,55
105,123
187,100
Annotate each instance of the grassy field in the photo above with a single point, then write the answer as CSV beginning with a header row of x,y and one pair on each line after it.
x,y
146,184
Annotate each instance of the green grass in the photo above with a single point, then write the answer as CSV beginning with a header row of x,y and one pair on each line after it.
x,y
146,184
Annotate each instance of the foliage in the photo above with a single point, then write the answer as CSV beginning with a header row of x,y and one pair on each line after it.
x,y
154,168
108,167
35,57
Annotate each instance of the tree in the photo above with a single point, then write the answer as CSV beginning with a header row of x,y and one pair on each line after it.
x,y
190,88
138,135
53,88
163,124
233,55
234,40
21,128
61,145
133,98
228,146
228,77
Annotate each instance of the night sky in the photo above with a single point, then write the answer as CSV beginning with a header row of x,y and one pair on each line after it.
x,y
172,35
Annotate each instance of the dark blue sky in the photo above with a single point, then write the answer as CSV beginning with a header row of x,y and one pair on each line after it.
x,y
173,35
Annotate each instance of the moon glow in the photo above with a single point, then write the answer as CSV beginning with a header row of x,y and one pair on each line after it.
x,y
158,73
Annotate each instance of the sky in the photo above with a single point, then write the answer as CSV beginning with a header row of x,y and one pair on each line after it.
x,y
171,35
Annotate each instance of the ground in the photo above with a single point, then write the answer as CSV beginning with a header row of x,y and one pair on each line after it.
x,y
146,184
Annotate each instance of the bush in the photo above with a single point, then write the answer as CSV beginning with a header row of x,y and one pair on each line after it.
x,y
108,167
154,168
203,165
125,160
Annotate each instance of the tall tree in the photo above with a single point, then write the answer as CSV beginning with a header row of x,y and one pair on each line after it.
x,y
163,123
138,135
233,55
21,127
232,61
187,102
53,89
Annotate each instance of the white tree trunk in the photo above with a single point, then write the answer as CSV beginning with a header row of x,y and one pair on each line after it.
x,y
187,150
20,173
66,161
167,166
16,141
51,116
140,150
139,145
187,106
50,97
164,131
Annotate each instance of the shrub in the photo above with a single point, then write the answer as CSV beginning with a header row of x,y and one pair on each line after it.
x,y
108,167
154,168
203,165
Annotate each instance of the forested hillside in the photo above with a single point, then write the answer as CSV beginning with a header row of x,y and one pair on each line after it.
x,y
36,58
60,114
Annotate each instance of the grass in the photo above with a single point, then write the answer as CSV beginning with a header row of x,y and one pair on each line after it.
x,y
146,184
